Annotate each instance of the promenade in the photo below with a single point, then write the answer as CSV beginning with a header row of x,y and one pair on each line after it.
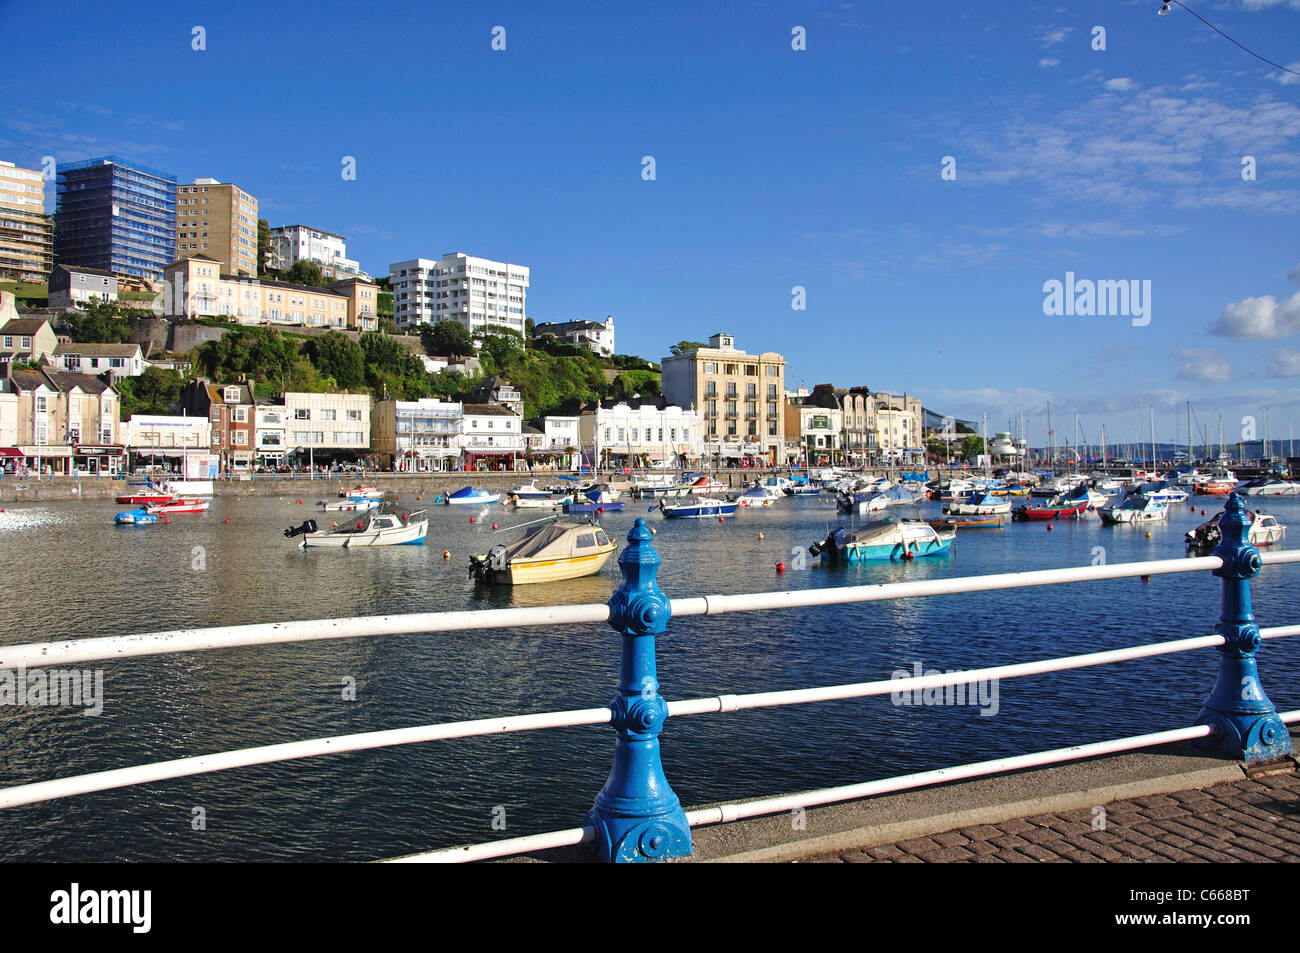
x,y
1168,805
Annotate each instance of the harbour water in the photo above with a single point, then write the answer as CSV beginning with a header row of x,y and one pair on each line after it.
x,y
72,574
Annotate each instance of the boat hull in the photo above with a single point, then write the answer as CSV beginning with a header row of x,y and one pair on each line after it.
x,y
529,571
699,511
410,535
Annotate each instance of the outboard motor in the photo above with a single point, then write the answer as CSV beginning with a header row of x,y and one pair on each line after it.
x,y
308,526
496,558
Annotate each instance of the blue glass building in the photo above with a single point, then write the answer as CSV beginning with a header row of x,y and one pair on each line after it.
x,y
115,215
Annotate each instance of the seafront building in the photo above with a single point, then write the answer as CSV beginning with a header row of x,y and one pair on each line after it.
x,y
416,436
117,216
738,396
66,422
640,431
164,439
26,232
492,437
594,335
477,292
291,244
269,437
219,220
230,409
78,287
327,428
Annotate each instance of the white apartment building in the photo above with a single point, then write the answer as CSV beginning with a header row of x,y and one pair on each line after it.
x,y
477,292
294,243
338,424
491,437
640,431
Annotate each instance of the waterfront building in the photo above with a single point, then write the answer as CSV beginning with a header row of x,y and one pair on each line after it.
x,y
815,424
77,286
291,244
477,292
898,427
26,339
116,360
640,431
219,220
561,443
738,396
593,335
196,288
115,215
492,437
161,438
8,426
67,422
230,409
270,440
327,428
26,232
416,436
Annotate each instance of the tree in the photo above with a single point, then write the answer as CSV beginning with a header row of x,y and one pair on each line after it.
x,y
450,338
263,244
101,323
339,357
501,344
388,326
634,383
681,347
972,445
307,273
156,391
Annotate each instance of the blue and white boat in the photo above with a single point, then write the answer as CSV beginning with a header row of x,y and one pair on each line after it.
x,y
887,539
701,506
760,495
468,496
140,517
979,503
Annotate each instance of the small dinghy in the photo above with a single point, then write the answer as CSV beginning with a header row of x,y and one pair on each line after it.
x,y
468,496
885,539
386,527
553,551
140,517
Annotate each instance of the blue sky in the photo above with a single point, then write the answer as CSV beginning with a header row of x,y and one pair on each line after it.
x,y
774,168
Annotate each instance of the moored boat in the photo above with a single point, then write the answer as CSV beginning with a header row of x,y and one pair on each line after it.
x,y
887,539
361,490
698,508
563,549
1134,508
978,503
385,528
1264,530
468,496
178,506
138,517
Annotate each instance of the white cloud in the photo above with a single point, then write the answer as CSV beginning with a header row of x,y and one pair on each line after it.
x,y
1121,84
1260,319
1203,366
1051,36
1253,5
1288,79
1047,63
1284,362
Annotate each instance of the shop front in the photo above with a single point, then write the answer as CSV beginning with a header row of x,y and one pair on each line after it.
x,y
99,459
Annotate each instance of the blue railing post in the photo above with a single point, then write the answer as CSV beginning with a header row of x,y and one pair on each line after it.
x,y
1248,725
637,816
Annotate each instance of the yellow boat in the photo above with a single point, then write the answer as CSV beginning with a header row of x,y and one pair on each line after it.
x,y
562,549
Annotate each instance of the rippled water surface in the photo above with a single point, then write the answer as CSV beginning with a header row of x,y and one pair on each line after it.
x,y
69,573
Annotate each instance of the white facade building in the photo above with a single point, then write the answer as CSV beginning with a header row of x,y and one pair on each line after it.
x,y
119,360
331,422
593,335
294,243
491,435
8,420
477,292
269,436
417,436
640,430
167,436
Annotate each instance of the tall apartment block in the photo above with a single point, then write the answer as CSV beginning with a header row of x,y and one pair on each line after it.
x,y
459,287
26,232
218,220
291,244
115,215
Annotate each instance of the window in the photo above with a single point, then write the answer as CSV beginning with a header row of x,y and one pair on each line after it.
x,y
711,389
711,408
753,428
751,391
771,392
302,413
329,415
354,415
773,370
240,415
586,540
731,388
710,367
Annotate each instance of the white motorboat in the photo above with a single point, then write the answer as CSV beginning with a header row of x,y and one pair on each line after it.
x,y
760,496
1264,530
1134,508
355,504
1267,486
373,529
468,496
978,504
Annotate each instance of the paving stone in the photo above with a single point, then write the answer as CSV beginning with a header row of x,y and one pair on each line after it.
x,y
950,839
947,855
1037,852
918,845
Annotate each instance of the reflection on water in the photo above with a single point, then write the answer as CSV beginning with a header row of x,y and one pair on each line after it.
x,y
72,574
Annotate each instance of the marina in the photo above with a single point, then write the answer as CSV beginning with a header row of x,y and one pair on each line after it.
x,y
420,679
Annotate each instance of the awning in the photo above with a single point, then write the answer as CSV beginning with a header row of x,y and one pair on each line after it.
x,y
11,452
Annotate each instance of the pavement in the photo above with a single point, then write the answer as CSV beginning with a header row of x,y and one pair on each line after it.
x,y
1171,804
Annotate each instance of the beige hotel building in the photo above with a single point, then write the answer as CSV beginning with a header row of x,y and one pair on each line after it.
x,y
218,220
197,288
26,232
738,397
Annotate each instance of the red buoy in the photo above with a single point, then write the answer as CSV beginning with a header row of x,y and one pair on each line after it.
x,y
780,567
1049,527
360,524
719,519
471,519
494,525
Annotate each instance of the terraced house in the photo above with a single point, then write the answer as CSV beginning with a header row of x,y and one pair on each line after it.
x,y
116,360
67,422
231,410
196,287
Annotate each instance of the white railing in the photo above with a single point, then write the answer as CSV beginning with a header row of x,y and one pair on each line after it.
x,y
160,643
